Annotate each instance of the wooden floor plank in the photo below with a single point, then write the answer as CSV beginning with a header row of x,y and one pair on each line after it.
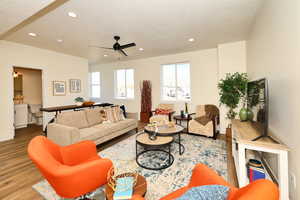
x,y
18,174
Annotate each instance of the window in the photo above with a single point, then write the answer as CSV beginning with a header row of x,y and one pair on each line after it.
x,y
176,82
95,84
124,83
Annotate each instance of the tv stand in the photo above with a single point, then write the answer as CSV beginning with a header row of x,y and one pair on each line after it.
x,y
265,136
242,140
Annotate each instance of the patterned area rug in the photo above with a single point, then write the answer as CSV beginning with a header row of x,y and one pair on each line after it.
x,y
159,183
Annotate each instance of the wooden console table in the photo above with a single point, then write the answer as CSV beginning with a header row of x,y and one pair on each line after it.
x,y
242,135
58,109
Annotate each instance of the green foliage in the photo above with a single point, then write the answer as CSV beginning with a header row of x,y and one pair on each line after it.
x,y
231,90
79,99
253,92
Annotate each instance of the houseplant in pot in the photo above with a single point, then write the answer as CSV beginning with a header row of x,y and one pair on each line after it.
x,y
79,101
146,101
231,89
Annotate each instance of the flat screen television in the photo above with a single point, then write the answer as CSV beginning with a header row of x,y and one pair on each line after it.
x,y
258,102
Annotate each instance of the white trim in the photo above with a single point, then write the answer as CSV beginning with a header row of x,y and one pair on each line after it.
x,y
176,90
116,84
11,94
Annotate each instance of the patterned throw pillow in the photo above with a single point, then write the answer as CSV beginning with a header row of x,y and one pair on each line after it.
x,y
206,192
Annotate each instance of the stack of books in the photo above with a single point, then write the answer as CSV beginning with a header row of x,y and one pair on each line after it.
x,y
124,188
255,170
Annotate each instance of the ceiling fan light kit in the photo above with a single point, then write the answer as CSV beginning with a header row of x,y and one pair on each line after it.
x,y
117,47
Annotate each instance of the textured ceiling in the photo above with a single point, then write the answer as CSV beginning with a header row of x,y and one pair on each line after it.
x,y
159,26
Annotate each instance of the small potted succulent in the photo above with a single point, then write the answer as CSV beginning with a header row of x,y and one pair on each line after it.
x,y
79,101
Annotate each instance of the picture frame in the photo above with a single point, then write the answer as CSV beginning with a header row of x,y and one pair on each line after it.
x,y
59,88
75,86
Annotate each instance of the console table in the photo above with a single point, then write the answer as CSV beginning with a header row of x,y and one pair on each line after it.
x,y
242,135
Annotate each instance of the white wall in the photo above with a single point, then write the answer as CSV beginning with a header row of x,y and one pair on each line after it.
x,y
204,78
207,68
55,66
273,52
232,58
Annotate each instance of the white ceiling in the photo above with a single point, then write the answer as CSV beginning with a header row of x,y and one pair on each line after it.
x,y
13,12
159,26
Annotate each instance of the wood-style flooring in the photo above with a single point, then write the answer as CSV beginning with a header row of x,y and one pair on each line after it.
x,y
18,174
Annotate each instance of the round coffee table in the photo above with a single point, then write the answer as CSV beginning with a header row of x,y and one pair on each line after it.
x,y
167,131
140,188
156,145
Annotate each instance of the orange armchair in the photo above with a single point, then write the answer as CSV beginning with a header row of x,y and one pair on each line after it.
x,y
73,170
202,175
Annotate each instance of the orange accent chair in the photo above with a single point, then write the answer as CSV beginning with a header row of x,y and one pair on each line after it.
x,y
73,170
202,175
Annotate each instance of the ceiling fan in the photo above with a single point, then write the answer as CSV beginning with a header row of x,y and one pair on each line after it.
x,y
117,46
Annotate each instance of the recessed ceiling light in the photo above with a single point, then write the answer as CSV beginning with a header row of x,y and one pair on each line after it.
x,y
191,40
59,40
141,49
32,34
72,14
105,55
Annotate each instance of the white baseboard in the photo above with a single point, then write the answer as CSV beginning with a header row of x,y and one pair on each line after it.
x,y
11,137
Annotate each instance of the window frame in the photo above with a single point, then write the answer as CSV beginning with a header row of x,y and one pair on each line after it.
x,y
93,84
176,86
116,84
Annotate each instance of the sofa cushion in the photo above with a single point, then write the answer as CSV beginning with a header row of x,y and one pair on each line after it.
x,y
73,118
93,116
93,133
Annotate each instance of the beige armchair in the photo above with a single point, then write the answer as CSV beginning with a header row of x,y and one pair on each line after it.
x,y
206,121
162,114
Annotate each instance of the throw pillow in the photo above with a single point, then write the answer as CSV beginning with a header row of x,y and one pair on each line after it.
x,y
206,192
109,111
160,111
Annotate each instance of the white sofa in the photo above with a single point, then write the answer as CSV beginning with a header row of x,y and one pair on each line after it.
x,y
74,126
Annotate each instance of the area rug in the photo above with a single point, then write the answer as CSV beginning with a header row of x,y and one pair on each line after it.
x,y
159,183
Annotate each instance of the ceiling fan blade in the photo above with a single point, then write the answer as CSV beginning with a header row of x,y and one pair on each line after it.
x,y
127,45
122,52
101,47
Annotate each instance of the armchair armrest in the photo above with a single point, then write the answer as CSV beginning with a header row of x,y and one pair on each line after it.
x,y
203,175
260,190
79,152
62,134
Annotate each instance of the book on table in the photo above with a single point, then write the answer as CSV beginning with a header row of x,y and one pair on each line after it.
x,y
124,188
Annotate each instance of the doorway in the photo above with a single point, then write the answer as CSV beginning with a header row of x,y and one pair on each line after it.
x,y
28,99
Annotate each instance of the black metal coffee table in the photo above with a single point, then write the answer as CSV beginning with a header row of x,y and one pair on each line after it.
x,y
166,131
154,147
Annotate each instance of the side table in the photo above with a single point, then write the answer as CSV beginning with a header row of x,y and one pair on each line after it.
x,y
140,188
179,119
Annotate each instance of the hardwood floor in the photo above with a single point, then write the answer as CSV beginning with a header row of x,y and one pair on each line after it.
x,y
18,174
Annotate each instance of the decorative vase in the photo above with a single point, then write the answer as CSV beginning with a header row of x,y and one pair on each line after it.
x,y
250,114
243,114
78,103
144,117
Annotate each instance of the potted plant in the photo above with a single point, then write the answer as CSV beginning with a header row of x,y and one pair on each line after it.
x,y
79,101
252,99
146,101
232,89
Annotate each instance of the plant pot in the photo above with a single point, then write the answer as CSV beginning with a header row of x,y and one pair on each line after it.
x,y
243,114
78,103
144,117
250,115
